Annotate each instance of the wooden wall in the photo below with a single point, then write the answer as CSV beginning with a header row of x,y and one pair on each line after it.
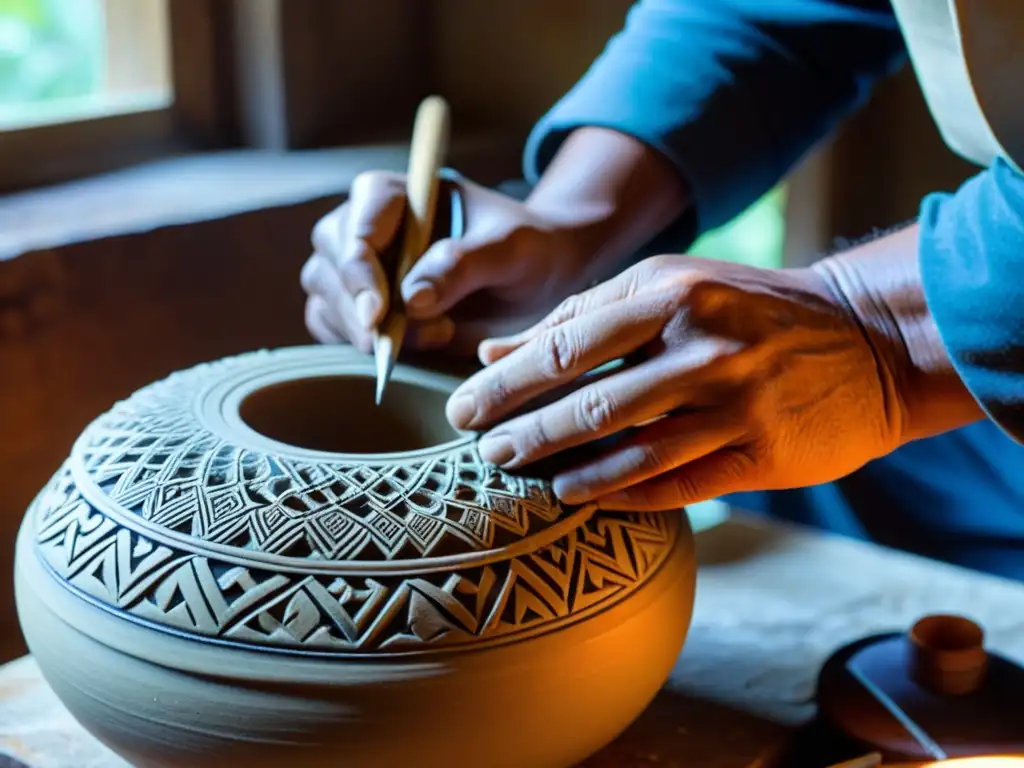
x,y
506,63
86,325
886,159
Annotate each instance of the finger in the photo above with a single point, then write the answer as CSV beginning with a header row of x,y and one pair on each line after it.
x,y
376,208
655,450
362,276
627,398
626,285
450,271
554,358
320,278
334,306
319,327
730,470
357,233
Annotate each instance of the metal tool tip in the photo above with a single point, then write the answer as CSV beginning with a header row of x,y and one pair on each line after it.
x,y
385,364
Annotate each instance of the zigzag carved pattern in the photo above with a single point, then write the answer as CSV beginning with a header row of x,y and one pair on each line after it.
x,y
154,457
596,565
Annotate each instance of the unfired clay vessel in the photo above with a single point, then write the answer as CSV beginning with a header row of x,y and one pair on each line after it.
x,y
250,564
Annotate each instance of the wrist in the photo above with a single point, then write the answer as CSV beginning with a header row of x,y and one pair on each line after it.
x,y
880,283
609,193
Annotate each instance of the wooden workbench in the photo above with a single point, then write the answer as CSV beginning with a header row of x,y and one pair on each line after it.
x,y
773,603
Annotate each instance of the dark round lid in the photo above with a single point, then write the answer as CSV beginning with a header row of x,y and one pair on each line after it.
x,y
930,694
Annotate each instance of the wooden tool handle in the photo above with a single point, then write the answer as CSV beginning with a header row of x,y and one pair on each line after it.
x,y
426,156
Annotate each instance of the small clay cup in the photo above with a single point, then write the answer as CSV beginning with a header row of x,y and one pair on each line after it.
x,y
948,655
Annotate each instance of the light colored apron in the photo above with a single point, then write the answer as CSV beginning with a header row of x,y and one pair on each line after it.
x,y
969,59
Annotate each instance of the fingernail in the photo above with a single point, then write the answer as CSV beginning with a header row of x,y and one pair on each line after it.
x,y
496,449
422,296
461,411
569,492
366,309
489,351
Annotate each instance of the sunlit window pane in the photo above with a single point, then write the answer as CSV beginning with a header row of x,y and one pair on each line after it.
x,y
63,60
756,237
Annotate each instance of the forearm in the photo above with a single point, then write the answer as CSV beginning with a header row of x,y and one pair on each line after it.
x,y
730,92
881,281
612,192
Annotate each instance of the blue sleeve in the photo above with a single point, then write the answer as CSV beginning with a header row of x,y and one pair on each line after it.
x,y
732,92
972,267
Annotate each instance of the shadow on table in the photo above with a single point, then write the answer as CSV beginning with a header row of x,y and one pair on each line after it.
x,y
680,732
677,731
738,538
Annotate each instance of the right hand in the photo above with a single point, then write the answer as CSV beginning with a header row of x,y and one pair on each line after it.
x,y
513,265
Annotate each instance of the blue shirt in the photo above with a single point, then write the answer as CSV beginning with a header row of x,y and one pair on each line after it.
x,y
734,93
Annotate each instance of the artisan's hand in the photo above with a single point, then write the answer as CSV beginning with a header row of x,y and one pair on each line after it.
x,y
602,196
514,261
756,379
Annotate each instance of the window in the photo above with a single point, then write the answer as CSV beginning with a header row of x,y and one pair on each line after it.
x,y
69,60
756,237
788,227
91,85
88,86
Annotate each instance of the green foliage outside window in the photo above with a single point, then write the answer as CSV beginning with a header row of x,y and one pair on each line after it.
x,y
755,237
50,51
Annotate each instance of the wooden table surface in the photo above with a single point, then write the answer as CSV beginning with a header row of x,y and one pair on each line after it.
x,y
773,602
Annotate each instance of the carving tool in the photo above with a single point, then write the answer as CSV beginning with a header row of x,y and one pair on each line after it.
x,y
426,155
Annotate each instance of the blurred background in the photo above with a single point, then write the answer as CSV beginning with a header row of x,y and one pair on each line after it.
x,y
163,162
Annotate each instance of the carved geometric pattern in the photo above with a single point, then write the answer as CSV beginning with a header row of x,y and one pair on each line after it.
x,y
155,477
595,565
151,455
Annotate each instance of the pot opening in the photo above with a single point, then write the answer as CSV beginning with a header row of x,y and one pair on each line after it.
x,y
338,414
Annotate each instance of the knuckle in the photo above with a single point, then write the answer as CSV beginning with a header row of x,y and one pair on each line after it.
x,y
569,308
660,262
651,457
560,352
311,315
371,182
681,292
312,275
353,260
522,238
316,322
356,271
498,392
685,489
307,277
443,257
595,411
536,438
321,236
489,397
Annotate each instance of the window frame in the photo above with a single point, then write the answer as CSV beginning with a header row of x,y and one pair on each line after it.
x,y
199,117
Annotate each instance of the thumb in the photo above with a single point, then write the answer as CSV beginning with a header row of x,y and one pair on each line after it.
x,y
450,271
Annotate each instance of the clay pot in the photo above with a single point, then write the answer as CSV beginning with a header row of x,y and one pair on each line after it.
x,y
249,563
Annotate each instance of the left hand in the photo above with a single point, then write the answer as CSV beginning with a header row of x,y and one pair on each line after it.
x,y
749,379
